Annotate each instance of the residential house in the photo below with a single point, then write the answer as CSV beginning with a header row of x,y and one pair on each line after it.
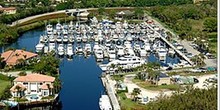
x,y
8,10
124,14
12,57
32,84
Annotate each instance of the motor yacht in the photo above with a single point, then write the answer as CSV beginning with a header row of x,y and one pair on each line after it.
x,y
60,49
69,50
104,103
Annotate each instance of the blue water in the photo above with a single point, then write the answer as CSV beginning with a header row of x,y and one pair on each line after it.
x,y
81,85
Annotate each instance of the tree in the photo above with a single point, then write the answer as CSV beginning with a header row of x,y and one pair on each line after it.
x,y
138,12
210,24
18,88
23,73
135,93
101,11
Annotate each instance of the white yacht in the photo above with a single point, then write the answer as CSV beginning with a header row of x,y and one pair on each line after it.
x,y
60,49
99,54
59,39
79,50
78,38
120,51
65,38
127,62
161,52
71,39
84,38
69,50
49,29
88,49
39,47
51,38
104,103
51,47
143,52
46,49
111,54
58,27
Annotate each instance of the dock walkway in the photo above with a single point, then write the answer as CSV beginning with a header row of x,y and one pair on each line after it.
x,y
111,92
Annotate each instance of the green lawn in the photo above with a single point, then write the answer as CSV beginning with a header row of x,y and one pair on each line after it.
x,y
3,85
128,104
118,77
147,85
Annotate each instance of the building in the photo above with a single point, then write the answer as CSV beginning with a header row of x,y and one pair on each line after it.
x,y
124,14
13,57
163,79
8,10
37,85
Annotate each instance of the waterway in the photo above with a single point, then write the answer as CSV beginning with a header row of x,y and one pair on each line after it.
x,y
81,85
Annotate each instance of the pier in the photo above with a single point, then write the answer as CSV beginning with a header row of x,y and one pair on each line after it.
x,y
111,92
170,45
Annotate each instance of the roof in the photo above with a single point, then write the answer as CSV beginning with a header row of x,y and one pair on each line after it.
x,y
8,8
11,57
14,89
35,78
45,87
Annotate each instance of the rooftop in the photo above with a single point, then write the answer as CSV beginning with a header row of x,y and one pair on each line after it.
x,y
11,57
35,78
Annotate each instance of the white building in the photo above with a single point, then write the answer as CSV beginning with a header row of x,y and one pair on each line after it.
x,y
32,84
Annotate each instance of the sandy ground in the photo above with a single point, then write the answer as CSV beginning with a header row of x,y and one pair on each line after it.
x,y
153,94
201,81
144,92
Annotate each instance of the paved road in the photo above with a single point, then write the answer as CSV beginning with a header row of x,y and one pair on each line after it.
x,y
14,73
62,11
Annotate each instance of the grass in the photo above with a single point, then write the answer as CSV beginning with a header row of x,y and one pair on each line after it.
x,y
196,24
118,77
48,97
128,104
147,85
213,42
3,85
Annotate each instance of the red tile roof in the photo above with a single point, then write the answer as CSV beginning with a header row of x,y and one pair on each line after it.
x,y
14,89
11,57
35,78
45,87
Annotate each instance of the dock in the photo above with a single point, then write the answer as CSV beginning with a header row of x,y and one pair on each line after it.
x,y
111,92
170,45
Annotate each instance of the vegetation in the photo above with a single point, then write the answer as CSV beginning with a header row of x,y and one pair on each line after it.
x,y
48,64
5,85
200,99
150,86
8,19
190,21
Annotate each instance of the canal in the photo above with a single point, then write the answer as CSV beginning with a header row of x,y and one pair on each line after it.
x,y
81,85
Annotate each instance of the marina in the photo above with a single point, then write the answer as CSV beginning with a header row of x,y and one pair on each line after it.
x,y
98,47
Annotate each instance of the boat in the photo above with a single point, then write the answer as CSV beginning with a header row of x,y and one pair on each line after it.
x,y
78,38
69,50
71,39
79,50
46,49
104,103
127,62
51,47
49,29
111,54
87,49
60,49
99,54
120,51
65,38
161,53
84,38
51,38
142,52
59,39
39,47
58,27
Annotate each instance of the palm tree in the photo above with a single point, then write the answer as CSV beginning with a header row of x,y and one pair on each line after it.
x,y
135,92
18,88
49,88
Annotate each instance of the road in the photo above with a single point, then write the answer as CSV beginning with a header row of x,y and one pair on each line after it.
x,y
14,73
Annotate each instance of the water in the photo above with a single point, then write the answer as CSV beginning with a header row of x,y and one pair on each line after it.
x,y
82,86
